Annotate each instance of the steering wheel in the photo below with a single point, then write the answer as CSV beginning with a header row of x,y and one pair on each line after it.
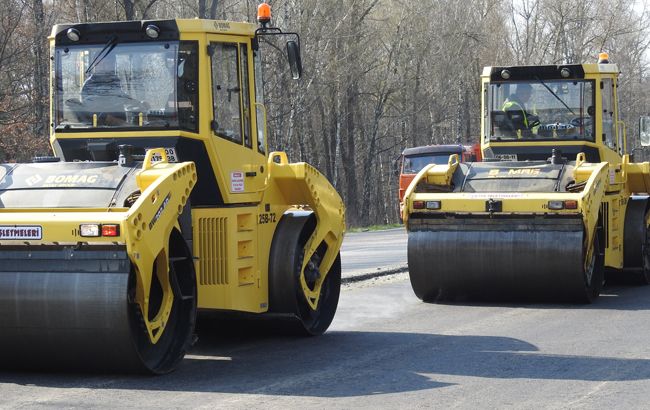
x,y
558,126
582,121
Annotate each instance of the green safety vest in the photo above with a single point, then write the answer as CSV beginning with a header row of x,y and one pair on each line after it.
x,y
507,106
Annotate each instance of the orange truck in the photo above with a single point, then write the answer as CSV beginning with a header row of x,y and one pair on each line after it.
x,y
414,159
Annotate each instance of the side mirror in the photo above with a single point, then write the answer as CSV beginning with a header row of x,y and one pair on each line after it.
x,y
644,131
295,62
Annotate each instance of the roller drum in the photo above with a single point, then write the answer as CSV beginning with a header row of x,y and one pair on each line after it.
x,y
71,309
492,259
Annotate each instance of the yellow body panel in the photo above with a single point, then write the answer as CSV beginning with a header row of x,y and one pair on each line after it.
x,y
442,174
638,176
232,245
231,258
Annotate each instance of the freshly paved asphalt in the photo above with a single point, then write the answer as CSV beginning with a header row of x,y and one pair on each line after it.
x,y
367,254
386,349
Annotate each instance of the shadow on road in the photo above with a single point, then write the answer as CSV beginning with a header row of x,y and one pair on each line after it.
x,y
616,296
348,364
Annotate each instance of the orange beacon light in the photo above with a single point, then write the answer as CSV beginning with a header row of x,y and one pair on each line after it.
x,y
264,14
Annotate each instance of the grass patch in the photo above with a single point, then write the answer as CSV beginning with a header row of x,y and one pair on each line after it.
x,y
373,228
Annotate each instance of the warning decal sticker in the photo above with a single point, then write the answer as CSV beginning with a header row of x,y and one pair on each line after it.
x,y
237,181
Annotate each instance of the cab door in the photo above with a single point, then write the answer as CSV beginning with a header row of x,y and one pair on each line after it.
x,y
233,116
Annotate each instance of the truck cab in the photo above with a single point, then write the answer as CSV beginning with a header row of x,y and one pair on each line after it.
x,y
412,160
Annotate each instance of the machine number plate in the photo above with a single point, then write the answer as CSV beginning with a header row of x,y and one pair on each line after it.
x,y
21,233
506,157
171,155
267,218
495,195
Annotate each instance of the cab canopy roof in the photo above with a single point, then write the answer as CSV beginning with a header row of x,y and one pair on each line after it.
x,y
433,149
134,31
547,72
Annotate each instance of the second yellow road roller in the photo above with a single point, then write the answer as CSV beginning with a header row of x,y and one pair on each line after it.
x,y
555,204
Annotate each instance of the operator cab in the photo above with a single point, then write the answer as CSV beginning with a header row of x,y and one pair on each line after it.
x,y
530,110
193,87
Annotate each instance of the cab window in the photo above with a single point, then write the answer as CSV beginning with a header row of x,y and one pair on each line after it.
x,y
607,91
226,92
246,97
259,99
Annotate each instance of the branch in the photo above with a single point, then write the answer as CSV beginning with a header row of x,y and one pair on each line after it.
x,y
146,9
367,11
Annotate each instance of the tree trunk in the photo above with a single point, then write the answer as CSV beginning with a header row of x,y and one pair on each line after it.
x,y
213,9
40,94
203,11
415,131
349,151
129,10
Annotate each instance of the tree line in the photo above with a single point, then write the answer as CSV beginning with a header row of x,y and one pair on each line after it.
x,y
380,75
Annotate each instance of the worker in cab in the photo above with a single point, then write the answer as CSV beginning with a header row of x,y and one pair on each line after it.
x,y
523,122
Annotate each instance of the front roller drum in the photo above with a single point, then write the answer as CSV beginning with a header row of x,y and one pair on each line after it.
x,y
74,309
503,260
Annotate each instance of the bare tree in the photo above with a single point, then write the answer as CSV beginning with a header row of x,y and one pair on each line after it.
x,y
380,75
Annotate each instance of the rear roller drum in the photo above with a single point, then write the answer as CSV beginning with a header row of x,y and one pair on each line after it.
x,y
285,290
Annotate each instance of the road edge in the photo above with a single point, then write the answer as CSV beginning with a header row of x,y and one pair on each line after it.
x,y
372,275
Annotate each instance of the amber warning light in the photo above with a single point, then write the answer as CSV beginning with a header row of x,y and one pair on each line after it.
x,y
603,58
264,14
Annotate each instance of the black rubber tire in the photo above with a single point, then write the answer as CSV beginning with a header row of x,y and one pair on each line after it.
x,y
285,293
316,322
641,276
636,252
644,278
164,356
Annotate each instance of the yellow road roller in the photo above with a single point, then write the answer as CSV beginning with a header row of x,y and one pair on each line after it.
x,y
161,200
549,210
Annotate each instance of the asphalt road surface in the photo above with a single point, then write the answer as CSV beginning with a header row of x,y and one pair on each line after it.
x,y
368,251
386,349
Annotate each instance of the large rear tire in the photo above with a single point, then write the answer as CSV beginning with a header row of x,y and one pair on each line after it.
x,y
636,252
285,291
641,276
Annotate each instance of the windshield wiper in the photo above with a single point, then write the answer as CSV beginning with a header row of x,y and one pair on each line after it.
x,y
108,47
555,95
